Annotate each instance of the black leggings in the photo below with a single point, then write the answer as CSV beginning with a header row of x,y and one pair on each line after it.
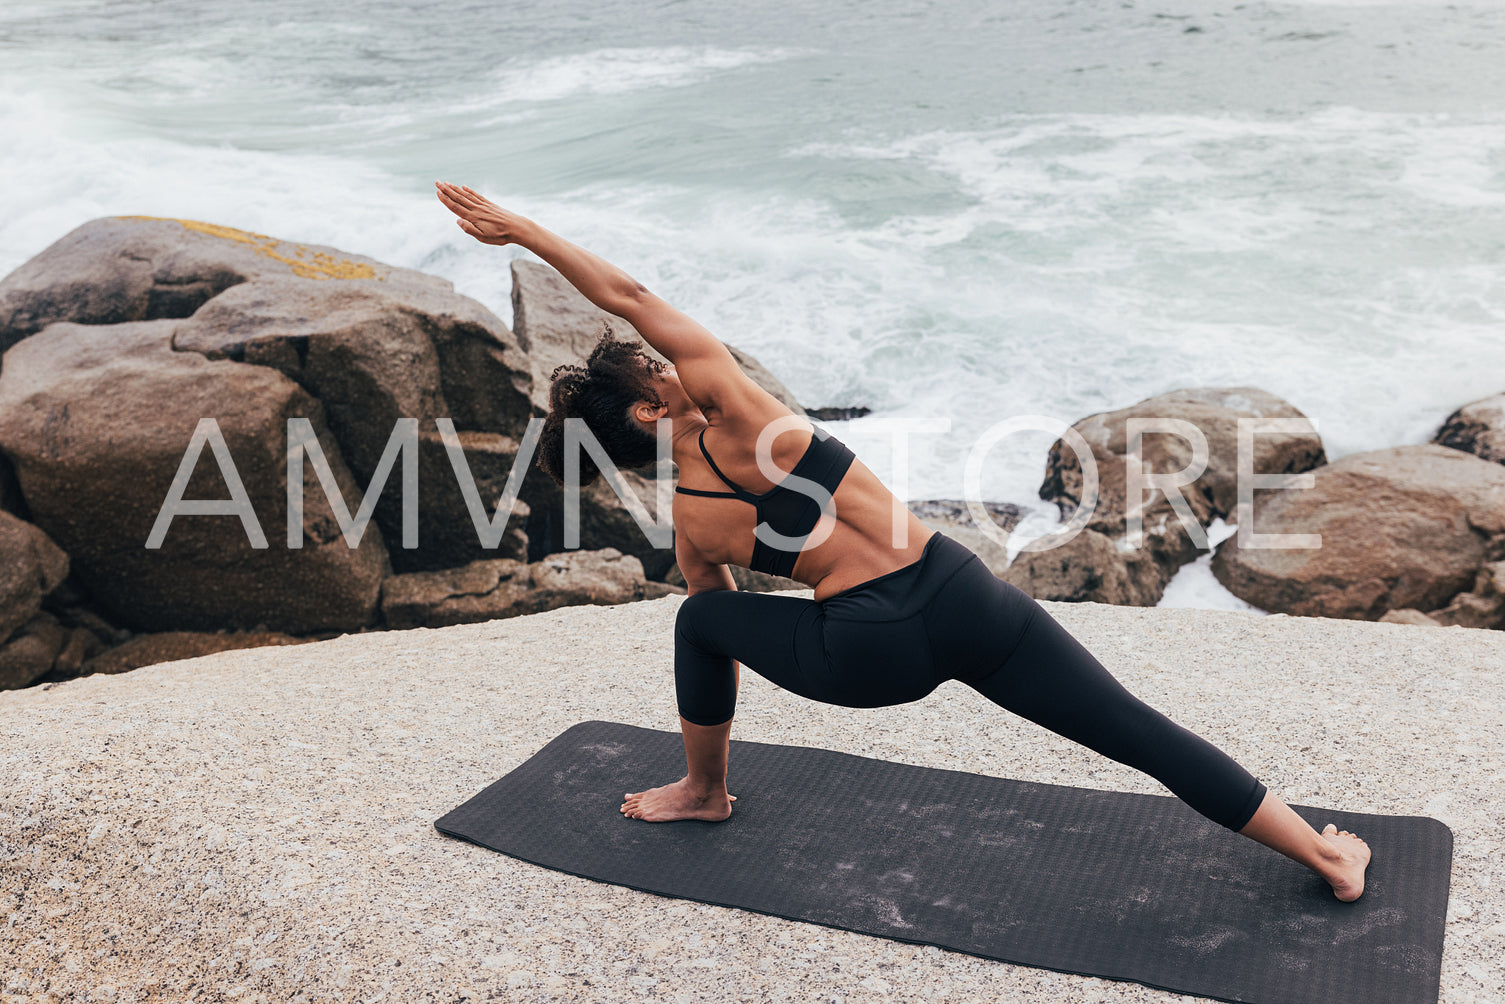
x,y
895,638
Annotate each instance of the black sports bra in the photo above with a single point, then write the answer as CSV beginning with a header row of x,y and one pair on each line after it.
x,y
785,510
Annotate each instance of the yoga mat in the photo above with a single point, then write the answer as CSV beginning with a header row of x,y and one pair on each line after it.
x,y
1108,884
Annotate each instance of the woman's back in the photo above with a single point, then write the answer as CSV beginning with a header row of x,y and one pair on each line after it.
x,y
859,544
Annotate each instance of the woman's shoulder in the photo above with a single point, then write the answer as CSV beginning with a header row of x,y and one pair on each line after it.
x,y
751,416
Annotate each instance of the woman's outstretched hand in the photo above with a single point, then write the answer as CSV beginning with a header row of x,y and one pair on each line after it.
x,y
480,217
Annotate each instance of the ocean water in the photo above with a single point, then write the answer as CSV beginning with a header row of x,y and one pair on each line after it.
x,y
967,211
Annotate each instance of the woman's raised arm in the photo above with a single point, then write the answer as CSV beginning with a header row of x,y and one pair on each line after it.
x,y
705,366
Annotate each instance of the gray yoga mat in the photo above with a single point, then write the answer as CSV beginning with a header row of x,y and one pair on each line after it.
x,y
1108,884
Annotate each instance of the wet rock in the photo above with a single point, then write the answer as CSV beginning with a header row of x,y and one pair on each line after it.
x,y
1477,428
1167,542
488,590
31,567
1407,527
1214,494
1088,568
97,420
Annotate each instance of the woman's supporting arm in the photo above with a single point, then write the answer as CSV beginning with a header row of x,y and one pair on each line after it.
x,y
701,574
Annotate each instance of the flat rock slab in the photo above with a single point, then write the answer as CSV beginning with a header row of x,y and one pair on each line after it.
x,y
258,825
1102,883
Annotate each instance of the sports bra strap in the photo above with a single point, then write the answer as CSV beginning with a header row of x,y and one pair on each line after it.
x,y
737,490
710,495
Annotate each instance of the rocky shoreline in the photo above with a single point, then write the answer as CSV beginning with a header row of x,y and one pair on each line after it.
x,y
121,338
1409,533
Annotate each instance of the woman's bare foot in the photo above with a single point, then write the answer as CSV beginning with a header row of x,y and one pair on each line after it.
x,y
1345,873
1339,857
677,801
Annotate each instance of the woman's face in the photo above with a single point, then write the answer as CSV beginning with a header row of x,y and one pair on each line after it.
x,y
670,391
666,382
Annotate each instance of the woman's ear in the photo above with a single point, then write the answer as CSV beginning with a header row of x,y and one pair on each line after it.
x,y
649,413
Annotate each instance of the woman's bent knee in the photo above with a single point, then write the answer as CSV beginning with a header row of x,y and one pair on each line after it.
x,y
704,679
692,616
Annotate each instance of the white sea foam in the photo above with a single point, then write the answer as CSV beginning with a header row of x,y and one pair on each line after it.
x,y
617,70
1185,250
52,181
1195,586
1382,5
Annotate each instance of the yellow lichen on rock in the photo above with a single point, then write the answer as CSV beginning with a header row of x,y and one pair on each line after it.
x,y
322,265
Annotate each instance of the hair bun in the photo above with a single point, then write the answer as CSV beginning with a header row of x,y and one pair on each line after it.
x,y
601,392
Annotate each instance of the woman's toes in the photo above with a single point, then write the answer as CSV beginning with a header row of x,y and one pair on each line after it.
x,y
1329,829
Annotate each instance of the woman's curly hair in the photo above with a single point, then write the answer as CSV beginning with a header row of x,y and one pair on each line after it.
x,y
615,377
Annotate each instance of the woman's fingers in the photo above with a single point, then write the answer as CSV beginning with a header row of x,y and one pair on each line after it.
x,y
483,220
464,212
450,202
477,232
467,198
450,195
476,200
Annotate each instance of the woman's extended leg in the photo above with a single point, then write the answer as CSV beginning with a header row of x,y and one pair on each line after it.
x,y
1052,680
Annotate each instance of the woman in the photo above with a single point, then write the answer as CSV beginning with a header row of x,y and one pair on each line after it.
x,y
898,608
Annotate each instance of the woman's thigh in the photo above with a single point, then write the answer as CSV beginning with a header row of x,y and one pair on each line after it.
x,y
877,663
975,622
794,644
778,637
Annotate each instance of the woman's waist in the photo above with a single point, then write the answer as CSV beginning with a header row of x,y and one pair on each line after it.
x,y
900,591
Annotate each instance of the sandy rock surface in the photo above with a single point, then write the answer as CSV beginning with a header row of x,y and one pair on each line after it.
x,y
258,825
